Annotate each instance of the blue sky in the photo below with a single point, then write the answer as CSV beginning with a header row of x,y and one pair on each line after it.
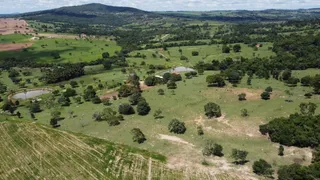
x,y
11,6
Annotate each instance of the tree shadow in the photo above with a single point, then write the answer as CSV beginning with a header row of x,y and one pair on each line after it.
x,y
240,162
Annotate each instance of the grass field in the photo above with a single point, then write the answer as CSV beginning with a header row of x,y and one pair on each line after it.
x,y
207,53
14,38
70,50
231,130
31,151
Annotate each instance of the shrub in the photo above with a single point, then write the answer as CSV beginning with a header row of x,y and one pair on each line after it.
x,y
177,127
265,95
96,100
261,167
161,92
138,136
212,148
242,97
195,53
126,109
269,89
171,85
143,108
212,110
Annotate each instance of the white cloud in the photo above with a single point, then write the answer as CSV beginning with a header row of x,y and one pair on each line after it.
x,y
10,6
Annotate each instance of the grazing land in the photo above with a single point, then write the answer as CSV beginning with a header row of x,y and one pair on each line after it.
x,y
93,93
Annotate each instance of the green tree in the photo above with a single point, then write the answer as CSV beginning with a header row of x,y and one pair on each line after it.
x,y
35,107
55,115
215,80
161,92
69,92
96,100
126,109
286,74
315,83
265,95
212,148
262,167
73,84
200,130
308,109
237,48
125,91
239,156
158,114
212,110
177,127
143,108
171,85
195,53
281,150
138,136
135,98
64,101
242,97
269,89
225,49
244,113
306,81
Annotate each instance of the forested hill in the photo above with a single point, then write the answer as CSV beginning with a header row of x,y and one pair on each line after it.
x,y
92,14
245,15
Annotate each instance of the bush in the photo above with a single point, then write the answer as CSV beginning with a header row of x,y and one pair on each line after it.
x,y
183,58
161,92
143,108
200,131
70,93
212,148
195,53
35,107
269,89
126,109
265,95
138,136
171,85
244,113
96,100
242,97
261,167
281,150
212,110
239,156
177,127
73,84
225,49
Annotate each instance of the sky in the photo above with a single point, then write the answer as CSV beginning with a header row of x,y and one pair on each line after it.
x,y
14,6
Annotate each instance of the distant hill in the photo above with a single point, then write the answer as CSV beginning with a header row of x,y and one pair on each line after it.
x,y
246,15
92,14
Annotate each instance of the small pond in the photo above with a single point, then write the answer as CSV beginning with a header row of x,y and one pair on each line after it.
x,y
30,94
180,69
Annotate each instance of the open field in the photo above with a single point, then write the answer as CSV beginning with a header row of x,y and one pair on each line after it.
x,y
70,50
35,151
231,130
207,53
12,25
243,102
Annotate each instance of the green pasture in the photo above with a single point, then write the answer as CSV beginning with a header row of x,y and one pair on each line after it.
x,y
207,53
14,38
70,50
186,104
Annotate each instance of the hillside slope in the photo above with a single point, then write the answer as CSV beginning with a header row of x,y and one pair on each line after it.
x,y
32,151
92,14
